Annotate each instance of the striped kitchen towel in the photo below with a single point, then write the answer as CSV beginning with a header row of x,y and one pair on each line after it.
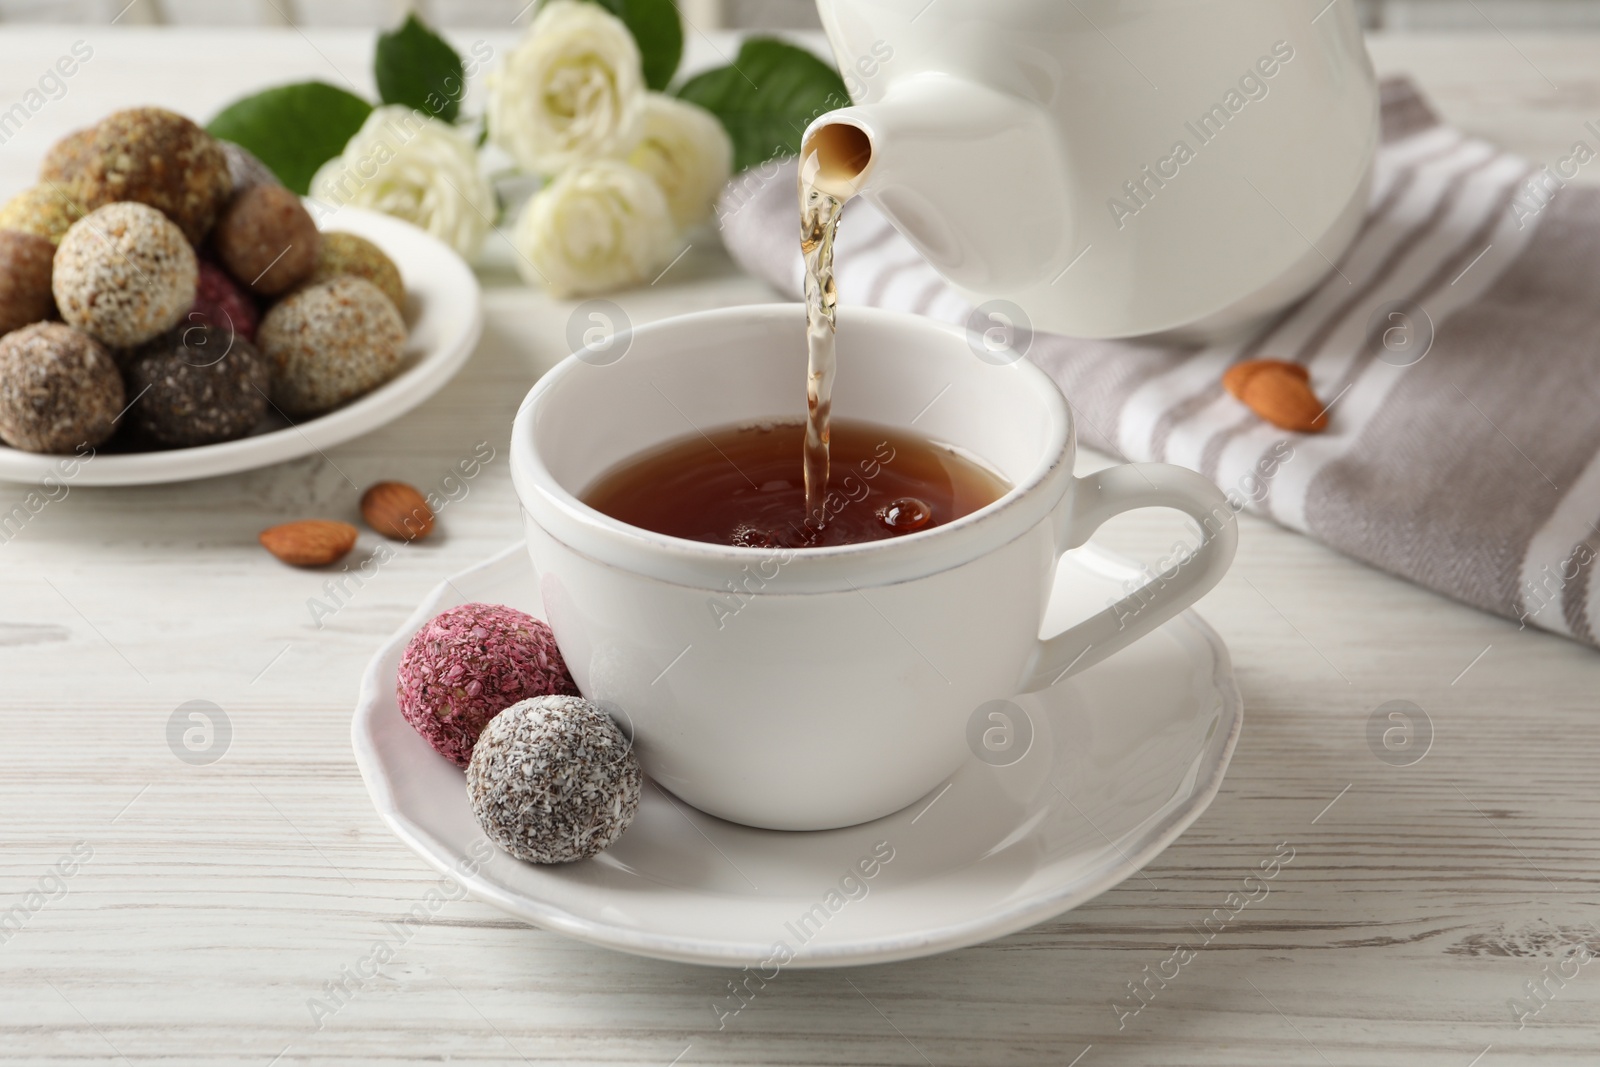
x,y
1470,465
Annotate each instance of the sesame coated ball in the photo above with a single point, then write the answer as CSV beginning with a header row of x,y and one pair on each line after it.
x,y
43,211
267,239
554,780
197,385
158,158
245,171
24,279
345,253
124,274
59,389
468,664
330,342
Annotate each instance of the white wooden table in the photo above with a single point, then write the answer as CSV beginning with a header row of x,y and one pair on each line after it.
x,y
216,900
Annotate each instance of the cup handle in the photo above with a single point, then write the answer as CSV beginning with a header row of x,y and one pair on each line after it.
x,y
1097,498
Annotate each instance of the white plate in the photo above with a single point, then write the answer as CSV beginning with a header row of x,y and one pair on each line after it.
x,y
444,321
1124,757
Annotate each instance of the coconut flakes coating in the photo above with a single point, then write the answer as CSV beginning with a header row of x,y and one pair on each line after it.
x,y
24,279
345,253
59,389
468,664
197,385
159,158
123,274
43,211
330,342
554,780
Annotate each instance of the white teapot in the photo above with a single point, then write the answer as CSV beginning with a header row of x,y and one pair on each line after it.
x,y
1115,168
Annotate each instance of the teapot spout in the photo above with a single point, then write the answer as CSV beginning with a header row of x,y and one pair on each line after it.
x,y
973,177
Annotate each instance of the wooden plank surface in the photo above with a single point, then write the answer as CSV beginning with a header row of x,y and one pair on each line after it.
x,y
207,905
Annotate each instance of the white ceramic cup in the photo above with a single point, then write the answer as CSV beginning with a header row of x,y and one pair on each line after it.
x,y
824,687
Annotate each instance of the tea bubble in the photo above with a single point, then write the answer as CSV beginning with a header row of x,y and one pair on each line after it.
x,y
905,514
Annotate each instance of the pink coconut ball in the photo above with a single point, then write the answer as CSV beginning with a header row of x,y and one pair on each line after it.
x,y
469,664
219,302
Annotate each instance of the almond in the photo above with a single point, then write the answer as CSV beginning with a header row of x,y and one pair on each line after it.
x,y
310,542
397,511
1279,392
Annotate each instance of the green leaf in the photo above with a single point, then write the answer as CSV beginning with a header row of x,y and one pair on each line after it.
x,y
294,129
659,32
416,67
767,98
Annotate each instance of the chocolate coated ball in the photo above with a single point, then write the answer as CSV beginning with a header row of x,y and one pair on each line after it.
x,y
197,385
267,239
244,169
59,389
24,279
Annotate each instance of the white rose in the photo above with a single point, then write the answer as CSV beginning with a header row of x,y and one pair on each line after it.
x,y
686,150
599,226
571,91
405,164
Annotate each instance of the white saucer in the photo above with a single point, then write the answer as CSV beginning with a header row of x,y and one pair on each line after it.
x,y
444,322
1124,757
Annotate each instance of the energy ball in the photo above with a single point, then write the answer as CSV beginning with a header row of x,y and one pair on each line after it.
x,y
554,780
245,171
470,663
218,301
158,158
69,157
345,253
124,274
267,239
58,389
42,211
24,279
197,385
330,342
